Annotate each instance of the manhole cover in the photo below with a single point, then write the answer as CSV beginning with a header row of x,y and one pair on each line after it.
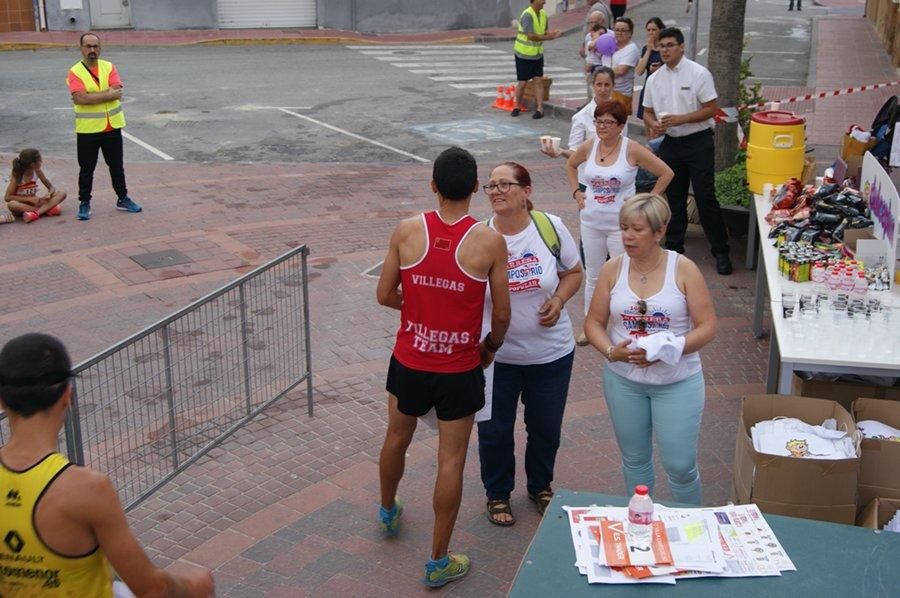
x,y
161,259
374,271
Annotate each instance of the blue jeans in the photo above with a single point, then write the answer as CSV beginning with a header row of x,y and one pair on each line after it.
x,y
674,411
544,388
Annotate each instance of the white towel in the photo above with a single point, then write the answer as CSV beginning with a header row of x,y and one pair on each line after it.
x,y
662,346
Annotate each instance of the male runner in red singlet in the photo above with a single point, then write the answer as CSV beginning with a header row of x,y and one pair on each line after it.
x,y
61,525
443,260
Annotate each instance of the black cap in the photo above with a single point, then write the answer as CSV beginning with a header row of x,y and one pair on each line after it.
x,y
34,359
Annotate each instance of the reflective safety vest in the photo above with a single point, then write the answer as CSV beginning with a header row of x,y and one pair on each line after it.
x,y
525,47
91,118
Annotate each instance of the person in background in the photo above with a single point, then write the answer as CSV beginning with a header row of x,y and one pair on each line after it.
x,y
96,90
444,260
799,5
623,61
650,316
583,128
611,163
602,7
686,120
535,362
63,524
618,7
529,49
22,196
592,58
650,58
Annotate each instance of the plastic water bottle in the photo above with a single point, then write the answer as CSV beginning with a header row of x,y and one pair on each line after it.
x,y
860,286
640,515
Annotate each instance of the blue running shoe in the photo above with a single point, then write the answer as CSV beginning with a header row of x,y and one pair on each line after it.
x,y
436,575
390,519
84,210
126,205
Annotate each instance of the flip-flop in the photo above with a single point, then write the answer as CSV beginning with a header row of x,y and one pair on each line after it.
x,y
541,499
499,507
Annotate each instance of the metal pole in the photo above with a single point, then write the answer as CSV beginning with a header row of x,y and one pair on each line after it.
x,y
74,442
245,347
695,27
170,394
309,384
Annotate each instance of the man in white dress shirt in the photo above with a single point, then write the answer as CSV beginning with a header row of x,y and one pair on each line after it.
x,y
679,102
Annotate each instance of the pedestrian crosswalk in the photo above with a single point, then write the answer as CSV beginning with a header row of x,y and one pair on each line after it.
x,y
476,68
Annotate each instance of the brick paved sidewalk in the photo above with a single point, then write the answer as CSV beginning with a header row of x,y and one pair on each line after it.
x,y
287,505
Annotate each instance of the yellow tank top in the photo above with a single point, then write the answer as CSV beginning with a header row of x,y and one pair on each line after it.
x,y
27,566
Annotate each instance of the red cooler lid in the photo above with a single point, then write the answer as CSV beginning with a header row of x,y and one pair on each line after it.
x,y
777,117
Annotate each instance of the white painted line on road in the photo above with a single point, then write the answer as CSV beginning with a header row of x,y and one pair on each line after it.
x,y
701,52
556,77
418,53
556,84
504,69
354,135
458,60
503,61
147,146
771,52
419,47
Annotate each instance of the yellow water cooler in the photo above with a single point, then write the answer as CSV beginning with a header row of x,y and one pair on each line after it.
x,y
775,148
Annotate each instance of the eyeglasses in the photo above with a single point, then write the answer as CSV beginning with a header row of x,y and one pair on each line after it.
x,y
667,46
621,30
502,186
642,321
603,122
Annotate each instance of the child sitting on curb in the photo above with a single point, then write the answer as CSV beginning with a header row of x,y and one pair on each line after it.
x,y
22,197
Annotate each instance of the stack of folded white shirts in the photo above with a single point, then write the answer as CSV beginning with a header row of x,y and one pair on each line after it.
x,y
789,437
878,431
894,524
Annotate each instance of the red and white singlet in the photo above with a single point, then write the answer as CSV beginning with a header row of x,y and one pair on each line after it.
x,y
440,318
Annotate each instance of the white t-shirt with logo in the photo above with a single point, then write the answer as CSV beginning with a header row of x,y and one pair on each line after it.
x,y
533,277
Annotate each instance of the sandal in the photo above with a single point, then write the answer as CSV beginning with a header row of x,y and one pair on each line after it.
x,y
7,218
499,507
541,499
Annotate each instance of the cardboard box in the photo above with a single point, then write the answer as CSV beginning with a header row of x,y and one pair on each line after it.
x,y
843,393
822,489
852,147
529,89
809,170
879,470
878,512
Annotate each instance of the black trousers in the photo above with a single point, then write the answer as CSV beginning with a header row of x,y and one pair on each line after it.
x,y
618,10
89,145
692,158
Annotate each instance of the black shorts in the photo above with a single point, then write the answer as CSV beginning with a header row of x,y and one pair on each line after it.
x,y
453,396
526,70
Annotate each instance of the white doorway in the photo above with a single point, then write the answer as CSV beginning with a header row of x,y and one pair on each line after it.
x,y
110,14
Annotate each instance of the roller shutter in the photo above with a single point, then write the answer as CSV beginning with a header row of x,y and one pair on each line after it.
x,y
243,14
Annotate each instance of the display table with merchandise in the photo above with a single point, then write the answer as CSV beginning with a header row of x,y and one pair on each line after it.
x,y
825,343
831,560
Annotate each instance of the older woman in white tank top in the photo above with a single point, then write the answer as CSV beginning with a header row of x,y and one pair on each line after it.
x,y
650,315
611,162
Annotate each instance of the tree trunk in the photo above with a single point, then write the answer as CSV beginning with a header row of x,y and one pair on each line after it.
x,y
726,46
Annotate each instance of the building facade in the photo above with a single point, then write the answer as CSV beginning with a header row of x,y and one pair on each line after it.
x,y
366,16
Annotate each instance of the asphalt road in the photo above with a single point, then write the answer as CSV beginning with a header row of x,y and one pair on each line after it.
x,y
330,103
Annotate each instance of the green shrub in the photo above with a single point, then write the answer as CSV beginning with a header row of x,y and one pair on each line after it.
x,y
731,185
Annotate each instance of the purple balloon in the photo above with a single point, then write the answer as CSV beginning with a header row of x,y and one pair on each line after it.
x,y
605,44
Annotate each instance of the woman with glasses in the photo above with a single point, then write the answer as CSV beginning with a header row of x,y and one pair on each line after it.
x,y
611,163
623,61
535,361
651,59
650,316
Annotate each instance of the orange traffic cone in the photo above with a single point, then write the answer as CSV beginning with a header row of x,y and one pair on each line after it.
x,y
498,101
509,98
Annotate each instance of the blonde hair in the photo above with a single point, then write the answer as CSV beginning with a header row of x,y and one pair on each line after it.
x,y
652,206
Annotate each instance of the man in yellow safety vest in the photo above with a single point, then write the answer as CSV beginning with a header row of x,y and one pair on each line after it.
x,y
529,49
96,96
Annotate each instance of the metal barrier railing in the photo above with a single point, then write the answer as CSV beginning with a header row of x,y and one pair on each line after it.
x,y
151,405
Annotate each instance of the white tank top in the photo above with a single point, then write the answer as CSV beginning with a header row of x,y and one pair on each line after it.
x,y
665,311
607,189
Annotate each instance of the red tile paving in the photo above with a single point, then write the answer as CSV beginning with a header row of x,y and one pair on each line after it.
x,y
286,506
